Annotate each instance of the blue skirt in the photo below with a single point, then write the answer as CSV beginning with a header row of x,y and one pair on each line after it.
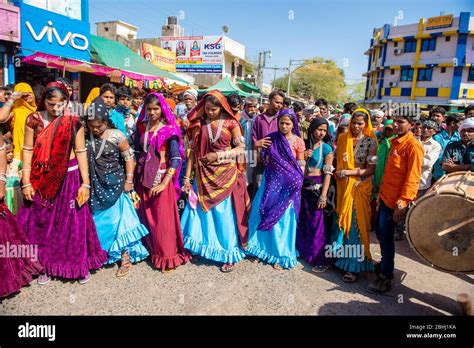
x,y
350,261
212,235
277,246
119,228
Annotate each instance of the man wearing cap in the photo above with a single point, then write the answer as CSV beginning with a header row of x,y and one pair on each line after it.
x,y
459,155
432,150
190,101
399,188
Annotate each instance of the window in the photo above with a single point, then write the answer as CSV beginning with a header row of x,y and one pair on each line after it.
x,y
443,69
407,75
424,74
428,44
410,46
470,77
448,38
395,44
392,71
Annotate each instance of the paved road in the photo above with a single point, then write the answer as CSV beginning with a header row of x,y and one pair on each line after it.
x,y
253,288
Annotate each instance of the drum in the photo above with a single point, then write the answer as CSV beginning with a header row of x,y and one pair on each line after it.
x,y
440,225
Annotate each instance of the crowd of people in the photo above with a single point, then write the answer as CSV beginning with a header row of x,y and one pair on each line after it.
x,y
136,175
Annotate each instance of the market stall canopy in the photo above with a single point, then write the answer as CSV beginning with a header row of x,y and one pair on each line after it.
x,y
115,55
226,87
247,87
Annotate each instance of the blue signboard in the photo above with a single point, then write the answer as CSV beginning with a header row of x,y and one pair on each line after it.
x,y
52,33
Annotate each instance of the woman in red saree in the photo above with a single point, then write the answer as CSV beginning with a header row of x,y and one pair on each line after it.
x,y
160,153
216,226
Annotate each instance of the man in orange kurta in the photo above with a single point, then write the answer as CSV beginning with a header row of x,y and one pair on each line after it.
x,y
399,188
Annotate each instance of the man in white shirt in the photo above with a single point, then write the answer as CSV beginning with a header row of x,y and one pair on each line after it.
x,y
432,150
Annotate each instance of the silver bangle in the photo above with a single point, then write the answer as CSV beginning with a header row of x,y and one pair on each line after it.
x,y
26,185
129,181
129,174
86,186
3,147
80,151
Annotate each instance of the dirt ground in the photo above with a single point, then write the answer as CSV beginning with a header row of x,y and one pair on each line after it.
x,y
199,288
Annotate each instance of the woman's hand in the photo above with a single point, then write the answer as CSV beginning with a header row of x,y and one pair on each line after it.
x,y
3,190
128,187
85,193
156,190
341,174
308,153
29,193
16,95
322,202
211,157
186,186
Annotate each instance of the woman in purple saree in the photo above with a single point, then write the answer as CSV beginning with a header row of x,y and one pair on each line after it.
x,y
273,217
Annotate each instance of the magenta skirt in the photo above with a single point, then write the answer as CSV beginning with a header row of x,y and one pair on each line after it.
x,y
68,246
18,262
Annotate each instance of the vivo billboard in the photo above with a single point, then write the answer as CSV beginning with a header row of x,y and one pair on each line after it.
x,y
52,33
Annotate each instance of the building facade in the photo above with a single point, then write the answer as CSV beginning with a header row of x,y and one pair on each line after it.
x,y
429,62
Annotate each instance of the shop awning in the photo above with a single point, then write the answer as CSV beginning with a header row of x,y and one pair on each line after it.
x,y
247,87
115,55
226,87
67,64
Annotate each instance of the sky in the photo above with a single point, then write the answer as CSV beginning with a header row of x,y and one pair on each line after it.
x,y
291,29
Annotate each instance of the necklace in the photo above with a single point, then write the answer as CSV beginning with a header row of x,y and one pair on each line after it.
x,y
102,146
145,141
219,129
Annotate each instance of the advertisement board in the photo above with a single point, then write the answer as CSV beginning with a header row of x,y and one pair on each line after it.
x,y
164,59
52,33
196,54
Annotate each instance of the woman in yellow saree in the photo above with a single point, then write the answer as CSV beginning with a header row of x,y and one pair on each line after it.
x,y
356,160
19,107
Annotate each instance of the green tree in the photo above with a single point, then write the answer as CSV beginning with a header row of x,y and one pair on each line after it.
x,y
317,78
356,91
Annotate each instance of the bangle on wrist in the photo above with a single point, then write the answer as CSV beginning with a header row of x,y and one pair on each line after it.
x,y
129,181
87,186
129,174
26,185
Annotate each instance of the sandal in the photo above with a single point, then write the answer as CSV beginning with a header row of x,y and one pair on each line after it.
x,y
350,277
227,267
167,270
43,279
320,269
85,279
278,267
125,266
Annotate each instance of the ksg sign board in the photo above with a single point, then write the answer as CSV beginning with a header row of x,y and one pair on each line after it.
x,y
52,33
196,54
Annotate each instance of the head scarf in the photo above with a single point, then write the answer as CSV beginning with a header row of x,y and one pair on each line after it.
x,y
192,92
293,118
315,123
53,148
468,123
350,194
150,163
21,110
93,94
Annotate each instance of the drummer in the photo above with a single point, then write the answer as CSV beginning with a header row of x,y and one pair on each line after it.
x,y
459,155
398,189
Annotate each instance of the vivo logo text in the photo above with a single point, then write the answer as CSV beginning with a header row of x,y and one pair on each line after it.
x,y
77,41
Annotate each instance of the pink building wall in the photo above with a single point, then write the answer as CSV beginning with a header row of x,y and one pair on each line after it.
x,y
9,22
